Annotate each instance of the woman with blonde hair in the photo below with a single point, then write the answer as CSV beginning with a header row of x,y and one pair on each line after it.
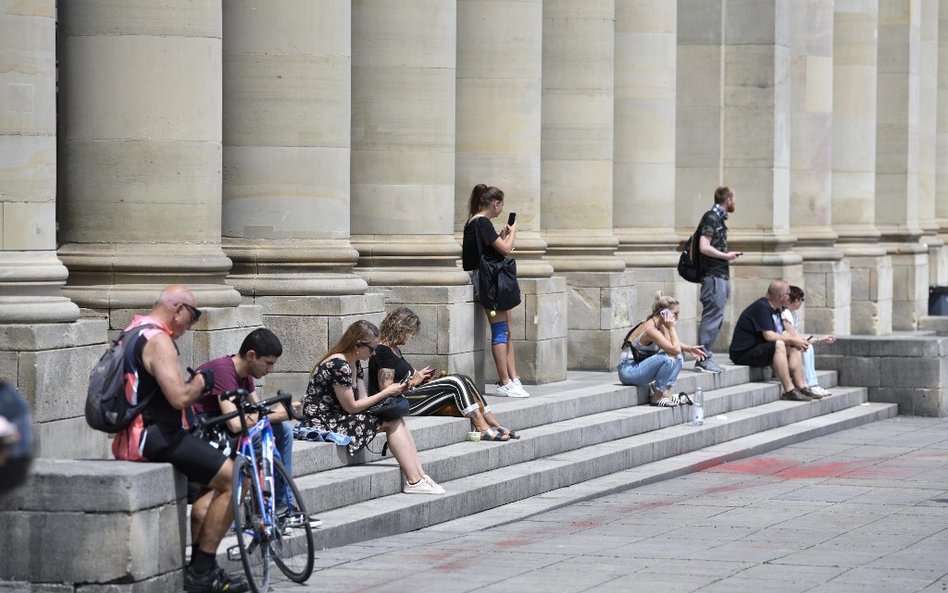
x,y
336,400
652,353
452,395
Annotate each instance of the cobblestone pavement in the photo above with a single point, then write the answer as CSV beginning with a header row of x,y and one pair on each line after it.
x,y
861,510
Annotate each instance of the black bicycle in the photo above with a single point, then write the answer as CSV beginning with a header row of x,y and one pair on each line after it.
x,y
264,532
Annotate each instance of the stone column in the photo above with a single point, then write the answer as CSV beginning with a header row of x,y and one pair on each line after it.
x,y
738,135
576,182
498,143
825,274
928,145
940,274
140,137
644,160
855,26
897,158
45,351
403,163
286,134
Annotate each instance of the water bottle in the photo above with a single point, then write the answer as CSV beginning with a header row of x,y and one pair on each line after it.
x,y
697,410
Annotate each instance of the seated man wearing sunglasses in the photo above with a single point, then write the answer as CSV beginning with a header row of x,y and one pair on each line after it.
x,y
164,437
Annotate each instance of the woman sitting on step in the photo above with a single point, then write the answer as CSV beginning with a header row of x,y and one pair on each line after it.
x,y
652,353
336,400
791,324
452,395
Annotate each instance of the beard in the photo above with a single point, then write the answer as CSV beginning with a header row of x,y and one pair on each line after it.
x,y
730,208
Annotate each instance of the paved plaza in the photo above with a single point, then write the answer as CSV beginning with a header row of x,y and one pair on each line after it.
x,y
861,510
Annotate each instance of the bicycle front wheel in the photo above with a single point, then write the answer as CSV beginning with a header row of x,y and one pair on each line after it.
x,y
250,525
292,546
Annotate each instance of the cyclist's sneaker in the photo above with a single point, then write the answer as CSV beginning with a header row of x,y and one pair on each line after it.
x,y
291,520
213,581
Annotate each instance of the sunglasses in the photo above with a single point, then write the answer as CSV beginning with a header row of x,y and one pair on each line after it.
x,y
195,312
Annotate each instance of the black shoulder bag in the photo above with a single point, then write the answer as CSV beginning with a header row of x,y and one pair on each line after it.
x,y
495,282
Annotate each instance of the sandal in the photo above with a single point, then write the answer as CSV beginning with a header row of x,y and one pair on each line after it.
x,y
493,435
511,434
684,398
665,402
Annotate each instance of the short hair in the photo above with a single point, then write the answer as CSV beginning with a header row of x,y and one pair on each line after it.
x,y
262,341
796,293
399,326
721,194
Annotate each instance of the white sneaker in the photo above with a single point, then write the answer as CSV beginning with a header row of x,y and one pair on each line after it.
x,y
423,486
520,387
509,389
820,391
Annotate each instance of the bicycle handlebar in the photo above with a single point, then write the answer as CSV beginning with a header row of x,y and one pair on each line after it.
x,y
239,397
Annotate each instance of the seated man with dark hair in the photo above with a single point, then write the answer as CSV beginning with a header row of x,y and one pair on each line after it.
x,y
759,340
258,354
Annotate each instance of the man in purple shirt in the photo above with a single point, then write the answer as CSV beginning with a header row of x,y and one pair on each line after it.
x,y
258,354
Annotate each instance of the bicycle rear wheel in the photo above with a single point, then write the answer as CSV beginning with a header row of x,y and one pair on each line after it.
x,y
293,547
250,526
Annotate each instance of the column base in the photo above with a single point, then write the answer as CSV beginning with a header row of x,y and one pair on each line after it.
x,y
909,285
307,326
871,301
828,287
600,313
49,364
937,261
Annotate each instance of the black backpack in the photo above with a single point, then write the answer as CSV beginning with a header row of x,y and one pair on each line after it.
x,y
112,401
689,262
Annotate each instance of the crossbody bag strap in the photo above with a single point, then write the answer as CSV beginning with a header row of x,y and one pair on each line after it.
x,y
625,341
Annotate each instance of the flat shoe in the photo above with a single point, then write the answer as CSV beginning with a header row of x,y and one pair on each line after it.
x,y
509,433
493,435
795,396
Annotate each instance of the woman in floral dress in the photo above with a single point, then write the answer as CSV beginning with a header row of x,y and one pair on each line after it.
x,y
336,400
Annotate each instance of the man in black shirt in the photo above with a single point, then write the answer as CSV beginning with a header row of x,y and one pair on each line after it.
x,y
760,340
715,286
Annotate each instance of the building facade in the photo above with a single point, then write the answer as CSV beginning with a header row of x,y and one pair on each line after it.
x,y
304,163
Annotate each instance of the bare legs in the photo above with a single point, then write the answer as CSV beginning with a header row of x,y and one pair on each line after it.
x,y
402,445
503,354
218,512
788,367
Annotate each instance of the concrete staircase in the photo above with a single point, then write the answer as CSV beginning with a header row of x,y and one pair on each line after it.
x,y
580,438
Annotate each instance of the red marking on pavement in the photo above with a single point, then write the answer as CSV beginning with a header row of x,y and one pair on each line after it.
x,y
436,557
512,543
884,471
822,470
756,466
454,565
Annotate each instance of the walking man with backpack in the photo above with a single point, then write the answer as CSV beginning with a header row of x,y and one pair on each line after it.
x,y
715,279
164,438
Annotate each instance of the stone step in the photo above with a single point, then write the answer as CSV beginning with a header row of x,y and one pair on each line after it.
x,y
776,422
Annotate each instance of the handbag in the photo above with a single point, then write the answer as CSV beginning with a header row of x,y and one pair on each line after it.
x,y
392,407
638,354
495,281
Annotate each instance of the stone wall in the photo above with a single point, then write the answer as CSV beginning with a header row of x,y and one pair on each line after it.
x,y
94,526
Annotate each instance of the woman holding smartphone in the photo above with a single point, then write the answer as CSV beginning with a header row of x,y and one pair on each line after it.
x,y
451,395
657,338
480,236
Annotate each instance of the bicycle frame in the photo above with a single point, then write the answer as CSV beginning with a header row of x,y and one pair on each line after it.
x,y
266,498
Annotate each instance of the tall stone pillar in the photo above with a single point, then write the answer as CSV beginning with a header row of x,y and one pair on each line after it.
x,y
897,158
644,161
738,135
45,351
140,166
855,26
403,163
576,186
498,143
940,275
826,275
286,131
928,145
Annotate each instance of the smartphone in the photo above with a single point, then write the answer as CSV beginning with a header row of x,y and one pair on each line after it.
x,y
406,379
511,218
664,313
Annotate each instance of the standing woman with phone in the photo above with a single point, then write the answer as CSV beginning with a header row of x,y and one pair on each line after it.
x,y
481,237
655,343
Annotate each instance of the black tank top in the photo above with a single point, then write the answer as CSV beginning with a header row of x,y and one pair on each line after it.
x,y
158,410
